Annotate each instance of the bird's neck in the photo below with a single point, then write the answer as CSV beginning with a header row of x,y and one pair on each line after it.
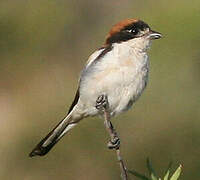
x,y
124,50
139,45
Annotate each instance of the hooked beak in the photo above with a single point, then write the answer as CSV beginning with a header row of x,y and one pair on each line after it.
x,y
154,35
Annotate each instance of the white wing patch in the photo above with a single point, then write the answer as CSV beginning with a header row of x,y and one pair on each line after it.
x,y
93,57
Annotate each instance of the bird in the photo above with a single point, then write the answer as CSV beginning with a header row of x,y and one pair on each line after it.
x,y
118,70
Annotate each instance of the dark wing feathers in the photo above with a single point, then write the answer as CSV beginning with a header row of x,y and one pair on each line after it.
x,y
76,98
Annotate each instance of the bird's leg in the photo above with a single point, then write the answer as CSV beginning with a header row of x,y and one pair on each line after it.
x,y
103,105
114,142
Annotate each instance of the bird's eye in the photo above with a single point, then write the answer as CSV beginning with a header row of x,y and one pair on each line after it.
x,y
129,30
133,31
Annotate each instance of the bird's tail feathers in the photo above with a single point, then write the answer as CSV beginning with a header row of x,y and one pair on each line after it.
x,y
53,137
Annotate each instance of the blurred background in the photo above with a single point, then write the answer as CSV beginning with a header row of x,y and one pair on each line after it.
x,y
43,46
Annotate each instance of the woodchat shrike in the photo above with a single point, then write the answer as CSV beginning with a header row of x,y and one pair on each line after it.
x,y
119,70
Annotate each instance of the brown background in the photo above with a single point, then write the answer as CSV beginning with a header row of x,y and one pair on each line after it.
x,y
43,47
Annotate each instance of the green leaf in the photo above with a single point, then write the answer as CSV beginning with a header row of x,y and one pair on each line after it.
x,y
153,177
151,170
143,177
177,173
166,177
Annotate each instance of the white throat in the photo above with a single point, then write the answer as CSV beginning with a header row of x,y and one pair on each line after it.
x,y
135,48
141,44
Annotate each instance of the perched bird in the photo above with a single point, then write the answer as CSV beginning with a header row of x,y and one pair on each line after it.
x,y
119,70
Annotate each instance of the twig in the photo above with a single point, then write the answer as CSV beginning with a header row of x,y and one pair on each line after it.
x,y
113,135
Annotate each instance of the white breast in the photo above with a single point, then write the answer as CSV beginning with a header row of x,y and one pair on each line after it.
x,y
121,74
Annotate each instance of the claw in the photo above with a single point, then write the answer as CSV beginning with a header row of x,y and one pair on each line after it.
x,y
114,143
100,98
102,102
103,105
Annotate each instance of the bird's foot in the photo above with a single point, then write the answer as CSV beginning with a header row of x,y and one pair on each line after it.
x,y
103,105
114,143
102,102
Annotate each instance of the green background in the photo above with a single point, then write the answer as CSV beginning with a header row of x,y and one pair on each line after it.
x,y
43,47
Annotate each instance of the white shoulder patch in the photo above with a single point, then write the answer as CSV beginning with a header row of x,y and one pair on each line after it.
x,y
93,57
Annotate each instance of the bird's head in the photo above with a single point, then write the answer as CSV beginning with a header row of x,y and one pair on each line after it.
x,y
133,32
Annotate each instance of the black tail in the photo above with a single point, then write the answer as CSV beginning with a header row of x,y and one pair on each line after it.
x,y
53,137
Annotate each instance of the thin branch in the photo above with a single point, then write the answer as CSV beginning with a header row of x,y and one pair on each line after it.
x,y
113,135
